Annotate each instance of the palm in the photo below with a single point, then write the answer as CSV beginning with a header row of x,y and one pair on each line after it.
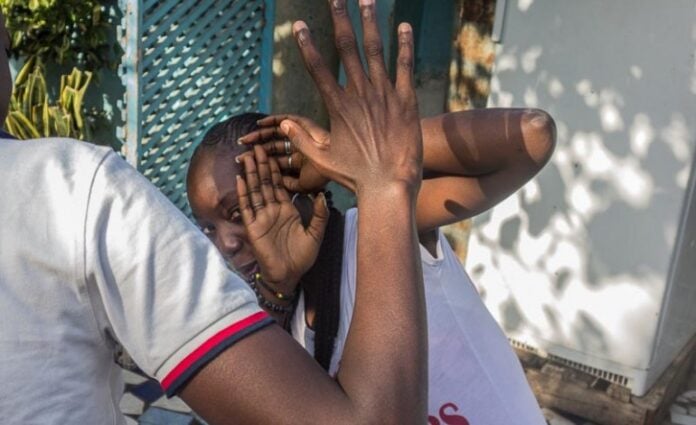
x,y
283,248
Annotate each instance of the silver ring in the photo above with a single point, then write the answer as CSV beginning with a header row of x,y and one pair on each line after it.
x,y
290,161
257,206
288,147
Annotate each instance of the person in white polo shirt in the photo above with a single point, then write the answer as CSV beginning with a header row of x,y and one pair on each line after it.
x,y
92,255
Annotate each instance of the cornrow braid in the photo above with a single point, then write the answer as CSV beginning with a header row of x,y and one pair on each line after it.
x,y
322,288
226,133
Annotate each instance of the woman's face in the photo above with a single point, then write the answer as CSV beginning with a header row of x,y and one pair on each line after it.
x,y
212,193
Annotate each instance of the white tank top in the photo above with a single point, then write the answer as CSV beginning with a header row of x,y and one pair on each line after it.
x,y
474,376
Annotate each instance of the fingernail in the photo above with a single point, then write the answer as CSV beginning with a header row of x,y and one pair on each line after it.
x,y
366,8
404,28
301,32
237,159
285,127
323,200
299,26
240,141
338,4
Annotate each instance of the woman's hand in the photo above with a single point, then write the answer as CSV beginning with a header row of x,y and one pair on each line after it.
x,y
284,249
299,174
375,139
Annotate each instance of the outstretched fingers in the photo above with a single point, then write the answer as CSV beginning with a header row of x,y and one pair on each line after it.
x,y
253,183
265,178
261,135
372,45
346,45
404,64
274,120
248,216
280,193
320,73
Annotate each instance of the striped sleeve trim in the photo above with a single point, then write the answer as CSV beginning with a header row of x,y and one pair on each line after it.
x,y
210,349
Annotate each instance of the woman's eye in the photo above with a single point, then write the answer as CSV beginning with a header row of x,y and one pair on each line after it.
x,y
235,216
208,230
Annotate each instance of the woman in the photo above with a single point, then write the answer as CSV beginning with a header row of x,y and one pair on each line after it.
x,y
472,160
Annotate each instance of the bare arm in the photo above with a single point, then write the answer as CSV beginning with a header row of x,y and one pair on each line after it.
x,y
374,148
474,159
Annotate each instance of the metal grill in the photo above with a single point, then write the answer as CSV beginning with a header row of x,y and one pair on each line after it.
x,y
189,64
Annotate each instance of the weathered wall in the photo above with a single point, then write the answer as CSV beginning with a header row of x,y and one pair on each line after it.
x,y
473,53
293,89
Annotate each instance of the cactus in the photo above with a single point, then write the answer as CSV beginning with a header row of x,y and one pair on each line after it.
x,y
32,115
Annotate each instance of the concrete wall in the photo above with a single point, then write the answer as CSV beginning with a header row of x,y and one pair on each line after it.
x,y
293,89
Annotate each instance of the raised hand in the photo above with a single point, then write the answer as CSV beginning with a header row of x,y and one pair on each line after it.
x,y
375,149
284,249
375,137
299,174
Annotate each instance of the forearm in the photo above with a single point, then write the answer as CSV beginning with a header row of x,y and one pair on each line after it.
x,y
484,141
383,374
388,335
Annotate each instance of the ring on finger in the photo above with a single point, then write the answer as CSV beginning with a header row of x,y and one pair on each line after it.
x,y
290,161
257,206
288,147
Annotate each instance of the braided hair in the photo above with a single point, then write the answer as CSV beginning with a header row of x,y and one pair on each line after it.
x,y
321,285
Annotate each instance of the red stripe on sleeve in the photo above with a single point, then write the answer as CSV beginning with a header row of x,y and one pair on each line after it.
x,y
208,345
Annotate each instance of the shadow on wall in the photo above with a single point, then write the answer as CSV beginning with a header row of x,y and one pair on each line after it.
x,y
600,221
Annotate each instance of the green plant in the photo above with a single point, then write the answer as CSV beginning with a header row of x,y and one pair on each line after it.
x,y
32,115
64,32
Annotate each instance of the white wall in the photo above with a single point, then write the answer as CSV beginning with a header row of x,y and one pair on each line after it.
x,y
577,263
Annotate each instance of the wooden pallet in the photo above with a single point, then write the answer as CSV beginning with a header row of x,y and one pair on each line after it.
x,y
561,387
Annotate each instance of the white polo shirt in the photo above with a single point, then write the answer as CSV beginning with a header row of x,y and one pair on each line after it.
x,y
90,254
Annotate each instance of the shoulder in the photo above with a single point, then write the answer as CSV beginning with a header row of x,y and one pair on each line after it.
x,y
66,157
53,171
63,147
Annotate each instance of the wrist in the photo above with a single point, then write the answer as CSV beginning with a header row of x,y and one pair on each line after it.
x,y
399,192
267,299
278,292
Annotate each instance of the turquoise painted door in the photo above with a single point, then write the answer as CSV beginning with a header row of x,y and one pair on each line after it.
x,y
189,64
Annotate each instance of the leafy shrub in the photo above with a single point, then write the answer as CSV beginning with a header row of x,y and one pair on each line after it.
x,y
32,115
64,32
